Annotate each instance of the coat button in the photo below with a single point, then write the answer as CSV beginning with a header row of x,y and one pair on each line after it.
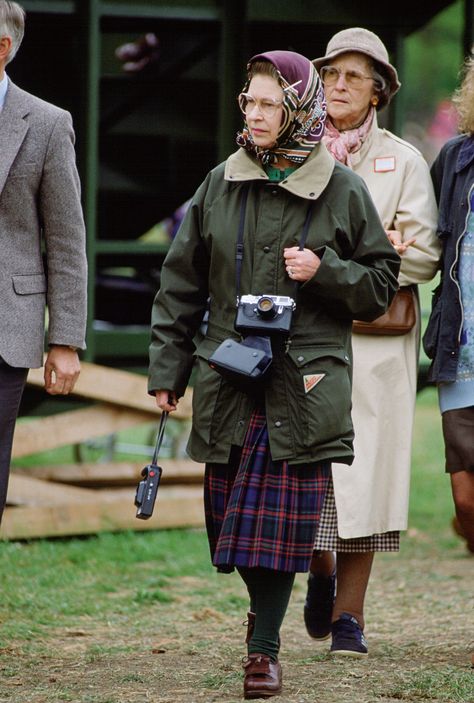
x,y
266,249
274,191
300,358
311,195
278,423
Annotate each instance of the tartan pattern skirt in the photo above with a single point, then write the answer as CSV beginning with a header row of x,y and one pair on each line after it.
x,y
259,512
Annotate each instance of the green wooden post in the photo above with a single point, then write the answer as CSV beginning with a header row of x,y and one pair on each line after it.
x,y
468,39
88,17
231,72
397,106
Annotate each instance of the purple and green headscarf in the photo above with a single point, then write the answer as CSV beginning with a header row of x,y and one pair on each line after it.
x,y
304,109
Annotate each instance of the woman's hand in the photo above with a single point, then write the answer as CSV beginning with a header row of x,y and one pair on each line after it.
x,y
301,264
166,400
396,239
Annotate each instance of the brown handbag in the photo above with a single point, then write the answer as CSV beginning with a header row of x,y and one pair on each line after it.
x,y
400,317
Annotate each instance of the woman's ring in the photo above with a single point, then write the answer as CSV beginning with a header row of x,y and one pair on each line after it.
x,y
290,271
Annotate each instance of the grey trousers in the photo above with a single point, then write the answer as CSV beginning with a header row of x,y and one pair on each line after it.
x,y
12,383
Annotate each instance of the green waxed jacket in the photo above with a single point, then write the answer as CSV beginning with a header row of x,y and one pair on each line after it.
x,y
357,278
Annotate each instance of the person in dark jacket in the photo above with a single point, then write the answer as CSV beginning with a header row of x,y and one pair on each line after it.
x,y
449,337
310,235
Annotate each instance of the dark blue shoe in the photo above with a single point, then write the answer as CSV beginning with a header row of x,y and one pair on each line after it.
x,y
318,605
347,638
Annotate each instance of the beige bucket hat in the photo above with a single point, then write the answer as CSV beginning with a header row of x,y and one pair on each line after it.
x,y
364,42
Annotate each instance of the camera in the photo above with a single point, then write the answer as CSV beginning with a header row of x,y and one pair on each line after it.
x,y
264,314
147,490
246,364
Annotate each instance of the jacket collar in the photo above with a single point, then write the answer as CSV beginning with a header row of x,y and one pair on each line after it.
x,y
17,102
466,154
13,128
308,181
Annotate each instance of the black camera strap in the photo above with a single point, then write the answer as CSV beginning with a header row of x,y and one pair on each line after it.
x,y
159,439
239,250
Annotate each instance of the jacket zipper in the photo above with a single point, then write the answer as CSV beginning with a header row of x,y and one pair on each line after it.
x,y
456,258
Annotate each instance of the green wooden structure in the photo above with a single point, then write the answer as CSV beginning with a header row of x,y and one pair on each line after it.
x,y
146,140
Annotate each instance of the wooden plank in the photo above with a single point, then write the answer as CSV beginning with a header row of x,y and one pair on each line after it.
x,y
116,386
98,475
24,490
175,507
73,427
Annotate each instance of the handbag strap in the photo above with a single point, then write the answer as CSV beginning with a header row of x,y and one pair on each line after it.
x,y
159,438
239,249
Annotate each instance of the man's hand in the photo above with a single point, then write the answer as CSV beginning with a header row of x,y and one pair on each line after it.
x,y
61,370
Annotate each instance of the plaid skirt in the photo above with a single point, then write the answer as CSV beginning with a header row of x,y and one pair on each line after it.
x,y
259,512
328,540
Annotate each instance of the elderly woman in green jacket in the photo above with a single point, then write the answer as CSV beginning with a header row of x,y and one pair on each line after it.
x,y
310,235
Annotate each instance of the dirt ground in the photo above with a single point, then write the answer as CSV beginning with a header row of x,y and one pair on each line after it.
x,y
420,629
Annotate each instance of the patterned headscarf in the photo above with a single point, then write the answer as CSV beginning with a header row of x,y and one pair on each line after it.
x,y
304,109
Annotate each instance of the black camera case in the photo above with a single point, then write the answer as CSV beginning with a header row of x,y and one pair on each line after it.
x,y
244,364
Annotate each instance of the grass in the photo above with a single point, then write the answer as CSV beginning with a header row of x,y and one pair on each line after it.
x,y
449,685
101,604
430,494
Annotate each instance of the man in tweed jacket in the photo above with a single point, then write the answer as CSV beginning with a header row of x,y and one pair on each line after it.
x,y
40,210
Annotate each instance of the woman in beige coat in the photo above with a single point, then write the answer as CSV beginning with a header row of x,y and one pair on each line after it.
x,y
369,505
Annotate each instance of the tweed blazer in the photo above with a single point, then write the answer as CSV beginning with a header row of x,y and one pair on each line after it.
x,y
42,233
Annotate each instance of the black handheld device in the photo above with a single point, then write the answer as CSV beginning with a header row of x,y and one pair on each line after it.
x,y
147,489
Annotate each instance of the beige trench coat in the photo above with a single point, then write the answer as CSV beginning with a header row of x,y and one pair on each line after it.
x,y
372,494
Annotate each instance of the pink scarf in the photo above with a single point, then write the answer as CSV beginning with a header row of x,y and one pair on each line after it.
x,y
342,144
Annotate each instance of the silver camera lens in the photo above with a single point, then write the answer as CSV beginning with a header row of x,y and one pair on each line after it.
x,y
266,307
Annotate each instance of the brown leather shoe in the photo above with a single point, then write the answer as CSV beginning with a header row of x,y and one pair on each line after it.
x,y
262,677
250,622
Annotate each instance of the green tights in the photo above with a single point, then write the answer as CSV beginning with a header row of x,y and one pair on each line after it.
x,y
269,593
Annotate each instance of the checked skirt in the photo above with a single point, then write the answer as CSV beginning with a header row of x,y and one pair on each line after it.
x,y
259,512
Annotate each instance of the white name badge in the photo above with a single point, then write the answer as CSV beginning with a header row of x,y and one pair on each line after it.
x,y
384,163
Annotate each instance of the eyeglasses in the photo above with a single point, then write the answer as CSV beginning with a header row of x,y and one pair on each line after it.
x,y
330,75
267,107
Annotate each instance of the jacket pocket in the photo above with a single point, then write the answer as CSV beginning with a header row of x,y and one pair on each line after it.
x,y
320,388
213,398
29,284
23,169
